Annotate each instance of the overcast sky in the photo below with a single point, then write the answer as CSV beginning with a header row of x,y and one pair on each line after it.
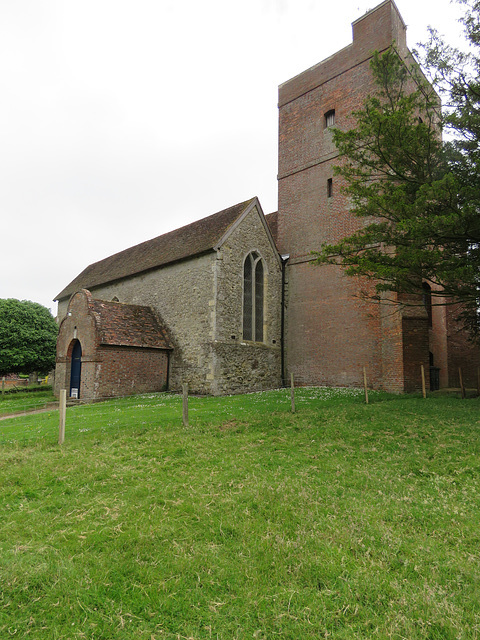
x,y
124,119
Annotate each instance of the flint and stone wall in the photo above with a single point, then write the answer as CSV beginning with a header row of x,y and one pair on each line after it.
x,y
239,365
200,302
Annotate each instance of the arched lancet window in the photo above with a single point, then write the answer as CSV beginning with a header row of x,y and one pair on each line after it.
x,y
253,294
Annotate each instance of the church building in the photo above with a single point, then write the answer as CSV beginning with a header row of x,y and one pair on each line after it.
x,y
214,288
232,303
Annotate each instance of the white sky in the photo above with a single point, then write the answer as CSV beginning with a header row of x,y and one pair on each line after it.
x,y
123,119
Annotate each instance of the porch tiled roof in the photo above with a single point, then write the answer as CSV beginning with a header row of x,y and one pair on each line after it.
x,y
128,325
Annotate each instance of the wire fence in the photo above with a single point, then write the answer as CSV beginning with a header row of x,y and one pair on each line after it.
x,y
40,419
86,419
36,421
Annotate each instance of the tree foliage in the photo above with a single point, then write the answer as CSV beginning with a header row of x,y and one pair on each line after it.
x,y
419,197
28,335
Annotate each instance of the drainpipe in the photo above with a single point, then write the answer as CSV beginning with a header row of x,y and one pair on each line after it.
x,y
284,260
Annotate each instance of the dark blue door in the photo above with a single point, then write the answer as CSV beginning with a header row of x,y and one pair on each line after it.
x,y
76,370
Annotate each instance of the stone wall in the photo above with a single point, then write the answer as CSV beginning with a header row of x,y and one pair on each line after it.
x,y
238,364
183,295
200,302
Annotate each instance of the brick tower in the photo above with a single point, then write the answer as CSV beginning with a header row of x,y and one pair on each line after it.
x,y
331,331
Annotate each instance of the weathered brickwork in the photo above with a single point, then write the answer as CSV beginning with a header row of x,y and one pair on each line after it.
x,y
107,369
415,352
125,370
461,353
375,30
332,331
80,325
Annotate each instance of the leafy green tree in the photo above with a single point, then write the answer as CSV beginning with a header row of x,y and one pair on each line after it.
x,y
28,335
419,197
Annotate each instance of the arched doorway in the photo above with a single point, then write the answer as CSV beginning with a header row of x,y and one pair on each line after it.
x,y
76,370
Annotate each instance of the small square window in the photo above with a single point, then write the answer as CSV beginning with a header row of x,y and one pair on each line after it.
x,y
329,188
330,118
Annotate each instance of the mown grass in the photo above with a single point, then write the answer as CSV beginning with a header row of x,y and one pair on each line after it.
x,y
340,521
25,401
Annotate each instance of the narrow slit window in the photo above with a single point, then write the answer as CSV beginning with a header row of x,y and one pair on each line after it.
x,y
330,118
427,301
329,187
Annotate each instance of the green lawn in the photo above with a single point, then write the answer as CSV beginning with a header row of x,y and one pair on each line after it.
x,y
25,401
344,520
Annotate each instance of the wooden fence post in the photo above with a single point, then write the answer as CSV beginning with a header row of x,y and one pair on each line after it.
x,y
185,404
462,386
62,408
365,384
424,392
3,385
292,392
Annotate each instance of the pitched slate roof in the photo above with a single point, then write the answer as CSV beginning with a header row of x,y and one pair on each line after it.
x,y
188,241
128,325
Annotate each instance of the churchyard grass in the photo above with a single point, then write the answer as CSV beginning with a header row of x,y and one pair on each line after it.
x,y
25,401
343,520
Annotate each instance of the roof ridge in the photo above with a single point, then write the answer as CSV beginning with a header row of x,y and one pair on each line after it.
x,y
175,231
195,238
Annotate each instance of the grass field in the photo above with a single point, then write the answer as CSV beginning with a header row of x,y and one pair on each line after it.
x,y
25,401
344,520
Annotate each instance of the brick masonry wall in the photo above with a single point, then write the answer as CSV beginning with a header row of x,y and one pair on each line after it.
x,y
415,353
78,326
332,332
461,352
375,30
10,382
106,370
438,338
125,370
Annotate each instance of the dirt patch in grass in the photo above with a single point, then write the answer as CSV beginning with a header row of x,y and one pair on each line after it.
x,y
232,425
